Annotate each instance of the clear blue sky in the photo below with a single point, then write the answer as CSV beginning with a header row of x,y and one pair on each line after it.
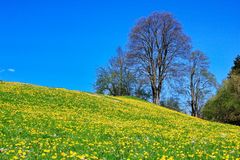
x,y
61,43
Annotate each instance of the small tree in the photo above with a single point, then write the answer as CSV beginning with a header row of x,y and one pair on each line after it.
x,y
115,79
198,84
118,79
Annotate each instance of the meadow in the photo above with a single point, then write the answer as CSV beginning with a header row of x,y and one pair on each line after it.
x,y
50,123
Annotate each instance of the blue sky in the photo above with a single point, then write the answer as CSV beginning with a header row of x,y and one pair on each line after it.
x,y
62,43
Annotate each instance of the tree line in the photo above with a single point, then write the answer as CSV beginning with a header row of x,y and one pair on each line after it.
x,y
159,59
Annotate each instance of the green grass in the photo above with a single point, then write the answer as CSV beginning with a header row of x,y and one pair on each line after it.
x,y
47,123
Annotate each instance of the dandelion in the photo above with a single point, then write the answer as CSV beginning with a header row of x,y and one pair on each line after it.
x,y
63,154
62,124
46,150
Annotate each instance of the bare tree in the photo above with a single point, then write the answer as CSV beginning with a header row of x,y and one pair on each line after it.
x,y
115,79
157,44
200,82
120,73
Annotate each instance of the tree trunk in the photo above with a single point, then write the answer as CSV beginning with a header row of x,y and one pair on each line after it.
x,y
194,109
154,95
158,98
159,90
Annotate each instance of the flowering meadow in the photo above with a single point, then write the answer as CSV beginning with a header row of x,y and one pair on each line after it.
x,y
50,123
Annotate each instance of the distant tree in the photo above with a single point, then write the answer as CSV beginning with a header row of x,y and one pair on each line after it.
x,y
198,84
118,79
157,43
171,103
225,106
115,79
141,86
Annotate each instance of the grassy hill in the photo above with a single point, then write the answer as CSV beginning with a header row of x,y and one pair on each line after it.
x,y
47,123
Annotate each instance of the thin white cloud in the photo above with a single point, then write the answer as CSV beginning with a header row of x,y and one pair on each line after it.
x,y
11,70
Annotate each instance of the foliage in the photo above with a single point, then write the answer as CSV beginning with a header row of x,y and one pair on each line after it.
x,y
236,67
225,106
46,123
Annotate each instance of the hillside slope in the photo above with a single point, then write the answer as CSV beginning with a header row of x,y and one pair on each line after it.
x,y
47,123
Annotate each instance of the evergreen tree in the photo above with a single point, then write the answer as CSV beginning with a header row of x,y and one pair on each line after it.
x,y
236,67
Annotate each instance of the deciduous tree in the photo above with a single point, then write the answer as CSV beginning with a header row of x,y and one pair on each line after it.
x,y
157,44
115,79
199,82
